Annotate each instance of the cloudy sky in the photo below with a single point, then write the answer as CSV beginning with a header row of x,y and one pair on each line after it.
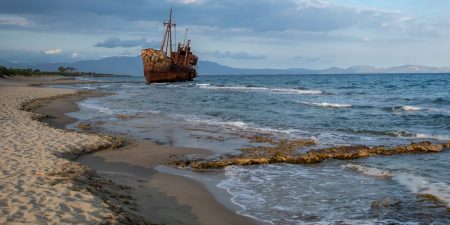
x,y
251,33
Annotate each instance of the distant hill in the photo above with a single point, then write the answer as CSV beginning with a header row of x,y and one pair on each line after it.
x,y
120,65
124,65
212,68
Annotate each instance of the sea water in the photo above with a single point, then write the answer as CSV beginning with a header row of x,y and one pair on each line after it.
x,y
217,112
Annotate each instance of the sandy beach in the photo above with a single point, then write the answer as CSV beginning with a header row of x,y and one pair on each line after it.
x,y
42,184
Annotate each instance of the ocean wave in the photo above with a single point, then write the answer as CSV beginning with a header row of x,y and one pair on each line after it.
x,y
410,108
88,88
96,107
402,108
406,134
261,89
240,195
421,186
106,86
233,125
399,134
213,121
371,171
436,137
129,86
200,85
416,184
441,101
328,105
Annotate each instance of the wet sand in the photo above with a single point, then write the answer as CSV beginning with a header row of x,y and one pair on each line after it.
x,y
162,198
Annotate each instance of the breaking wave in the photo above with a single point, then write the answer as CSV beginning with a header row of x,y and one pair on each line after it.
x,y
260,89
421,186
399,134
414,183
96,107
436,137
371,171
402,108
328,105
202,85
233,125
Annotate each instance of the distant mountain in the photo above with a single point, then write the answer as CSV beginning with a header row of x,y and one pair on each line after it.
x,y
416,69
120,65
124,65
397,69
361,69
212,68
332,70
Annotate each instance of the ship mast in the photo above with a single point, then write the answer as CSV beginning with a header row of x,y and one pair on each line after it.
x,y
167,38
185,34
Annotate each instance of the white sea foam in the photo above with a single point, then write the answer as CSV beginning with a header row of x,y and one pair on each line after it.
x,y
237,124
296,91
202,84
260,190
128,86
262,89
371,171
234,125
211,121
328,105
422,186
429,136
416,184
406,134
404,108
88,88
96,107
410,108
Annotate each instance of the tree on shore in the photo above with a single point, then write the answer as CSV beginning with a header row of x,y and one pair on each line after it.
x,y
68,69
62,69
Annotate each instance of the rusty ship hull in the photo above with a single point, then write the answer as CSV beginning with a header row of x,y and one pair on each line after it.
x,y
165,65
159,67
175,75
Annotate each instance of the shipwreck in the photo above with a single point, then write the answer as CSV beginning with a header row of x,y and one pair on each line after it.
x,y
165,65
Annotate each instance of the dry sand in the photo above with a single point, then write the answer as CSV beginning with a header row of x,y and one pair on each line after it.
x,y
39,184
29,158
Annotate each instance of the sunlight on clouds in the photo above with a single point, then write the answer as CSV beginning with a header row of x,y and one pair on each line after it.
x,y
302,4
54,51
13,20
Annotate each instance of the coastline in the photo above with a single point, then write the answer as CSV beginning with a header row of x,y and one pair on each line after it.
x,y
40,182
155,196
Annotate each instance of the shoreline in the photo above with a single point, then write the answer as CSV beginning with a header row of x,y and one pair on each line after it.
x,y
40,183
169,202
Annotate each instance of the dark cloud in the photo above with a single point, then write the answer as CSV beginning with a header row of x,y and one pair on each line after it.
x,y
258,15
214,25
115,42
235,55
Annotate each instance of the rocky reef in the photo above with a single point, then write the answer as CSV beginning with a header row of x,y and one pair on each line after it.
x,y
287,151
